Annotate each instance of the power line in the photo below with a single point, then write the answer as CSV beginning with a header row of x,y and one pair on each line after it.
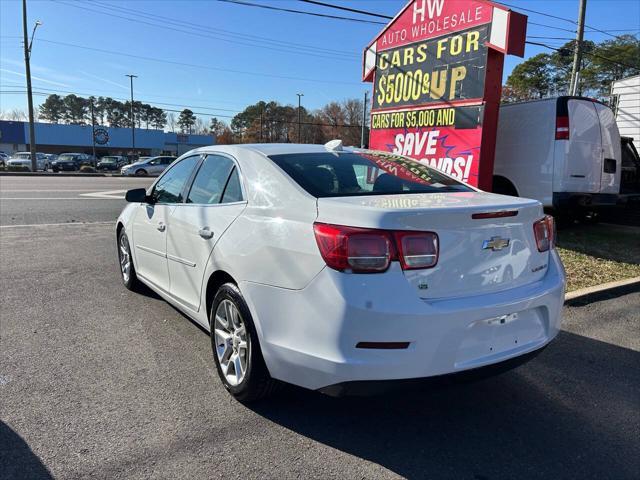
x,y
202,35
143,101
346,9
551,38
518,7
301,12
551,27
193,65
231,33
280,121
591,54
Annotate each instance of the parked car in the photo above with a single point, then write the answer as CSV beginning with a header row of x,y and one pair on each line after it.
x,y
51,157
564,152
71,161
307,271
23,160
3,158
112,163
150,166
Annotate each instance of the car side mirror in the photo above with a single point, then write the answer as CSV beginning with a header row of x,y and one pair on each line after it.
x,y
137,195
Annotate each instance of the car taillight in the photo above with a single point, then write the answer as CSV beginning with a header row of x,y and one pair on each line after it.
x,y
562,128
545,233
364,250
417,249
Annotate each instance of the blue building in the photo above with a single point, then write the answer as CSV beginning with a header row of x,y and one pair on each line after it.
x,y
59,138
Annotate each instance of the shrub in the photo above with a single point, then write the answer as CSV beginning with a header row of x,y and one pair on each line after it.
x,y
87,169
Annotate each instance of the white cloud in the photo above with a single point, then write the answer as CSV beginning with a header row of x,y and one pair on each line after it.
x,y
102,79
34,77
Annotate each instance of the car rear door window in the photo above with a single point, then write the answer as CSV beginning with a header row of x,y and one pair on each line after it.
x,y
233,191
170,186
210,182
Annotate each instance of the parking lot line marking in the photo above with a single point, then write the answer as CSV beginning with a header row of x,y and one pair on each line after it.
x,y
57,224
111,194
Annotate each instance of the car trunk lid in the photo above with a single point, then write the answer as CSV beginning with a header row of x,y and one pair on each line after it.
x,y
486,241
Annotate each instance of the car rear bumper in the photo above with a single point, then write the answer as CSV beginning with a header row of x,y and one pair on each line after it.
x,y
309,336
376,387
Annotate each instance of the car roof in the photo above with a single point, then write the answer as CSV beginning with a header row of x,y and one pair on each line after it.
x,y
268,148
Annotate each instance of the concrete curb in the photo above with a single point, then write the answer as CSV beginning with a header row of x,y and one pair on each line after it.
x,y
584,292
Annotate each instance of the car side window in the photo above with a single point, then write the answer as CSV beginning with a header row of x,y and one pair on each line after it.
x,y
233,191
171,185
167,160
208,186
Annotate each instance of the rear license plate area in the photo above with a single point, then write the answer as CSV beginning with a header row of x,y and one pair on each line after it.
x,y
488,339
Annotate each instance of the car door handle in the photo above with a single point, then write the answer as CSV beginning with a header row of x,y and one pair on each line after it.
x,y
205,233
161,227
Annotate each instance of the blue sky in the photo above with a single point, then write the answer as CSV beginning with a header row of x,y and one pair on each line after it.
x,y
237,54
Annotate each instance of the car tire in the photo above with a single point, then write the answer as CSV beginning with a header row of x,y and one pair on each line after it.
x,y
255,382
141,173
125,261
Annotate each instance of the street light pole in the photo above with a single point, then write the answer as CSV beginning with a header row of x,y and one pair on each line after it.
x,y
300,95
133,120
93,132
27,68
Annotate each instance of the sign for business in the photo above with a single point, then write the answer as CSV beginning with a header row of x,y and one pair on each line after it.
x,y
436,70
101,136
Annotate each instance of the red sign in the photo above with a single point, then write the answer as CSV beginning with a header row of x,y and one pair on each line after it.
x,y
433,18
437,73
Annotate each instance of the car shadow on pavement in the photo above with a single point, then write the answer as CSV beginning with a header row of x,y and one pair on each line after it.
x,y
17,460
572,412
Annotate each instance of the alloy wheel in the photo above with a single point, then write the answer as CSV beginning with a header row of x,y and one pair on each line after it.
x,y
125,258
232,342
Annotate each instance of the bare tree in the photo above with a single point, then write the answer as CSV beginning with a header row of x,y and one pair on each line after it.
x,y
200,128
171,121
17,115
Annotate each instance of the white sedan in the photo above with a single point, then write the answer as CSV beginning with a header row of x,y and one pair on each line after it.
x,y
335,269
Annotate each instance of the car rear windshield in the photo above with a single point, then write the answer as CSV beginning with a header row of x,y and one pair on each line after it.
x,y
341,174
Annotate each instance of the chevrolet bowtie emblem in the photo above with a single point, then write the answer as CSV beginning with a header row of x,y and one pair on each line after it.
x,y
495,244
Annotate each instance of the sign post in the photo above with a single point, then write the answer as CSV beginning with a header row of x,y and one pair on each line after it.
x,y
437,75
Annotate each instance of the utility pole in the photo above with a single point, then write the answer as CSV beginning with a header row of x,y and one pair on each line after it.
x,y
300,95
261,113
93,133
27,67
577,54
133,120
364,118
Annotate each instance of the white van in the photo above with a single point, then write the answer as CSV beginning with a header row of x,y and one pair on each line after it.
x,y
564,152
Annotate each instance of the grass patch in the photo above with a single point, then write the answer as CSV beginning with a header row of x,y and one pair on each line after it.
x,y
596,254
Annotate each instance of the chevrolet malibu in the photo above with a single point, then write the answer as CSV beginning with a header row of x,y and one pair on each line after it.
x,y
333,268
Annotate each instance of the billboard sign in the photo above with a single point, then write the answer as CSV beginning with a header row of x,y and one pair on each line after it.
x,y
437,73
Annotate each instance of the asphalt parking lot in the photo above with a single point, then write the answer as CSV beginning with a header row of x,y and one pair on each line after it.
x,y
97,381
